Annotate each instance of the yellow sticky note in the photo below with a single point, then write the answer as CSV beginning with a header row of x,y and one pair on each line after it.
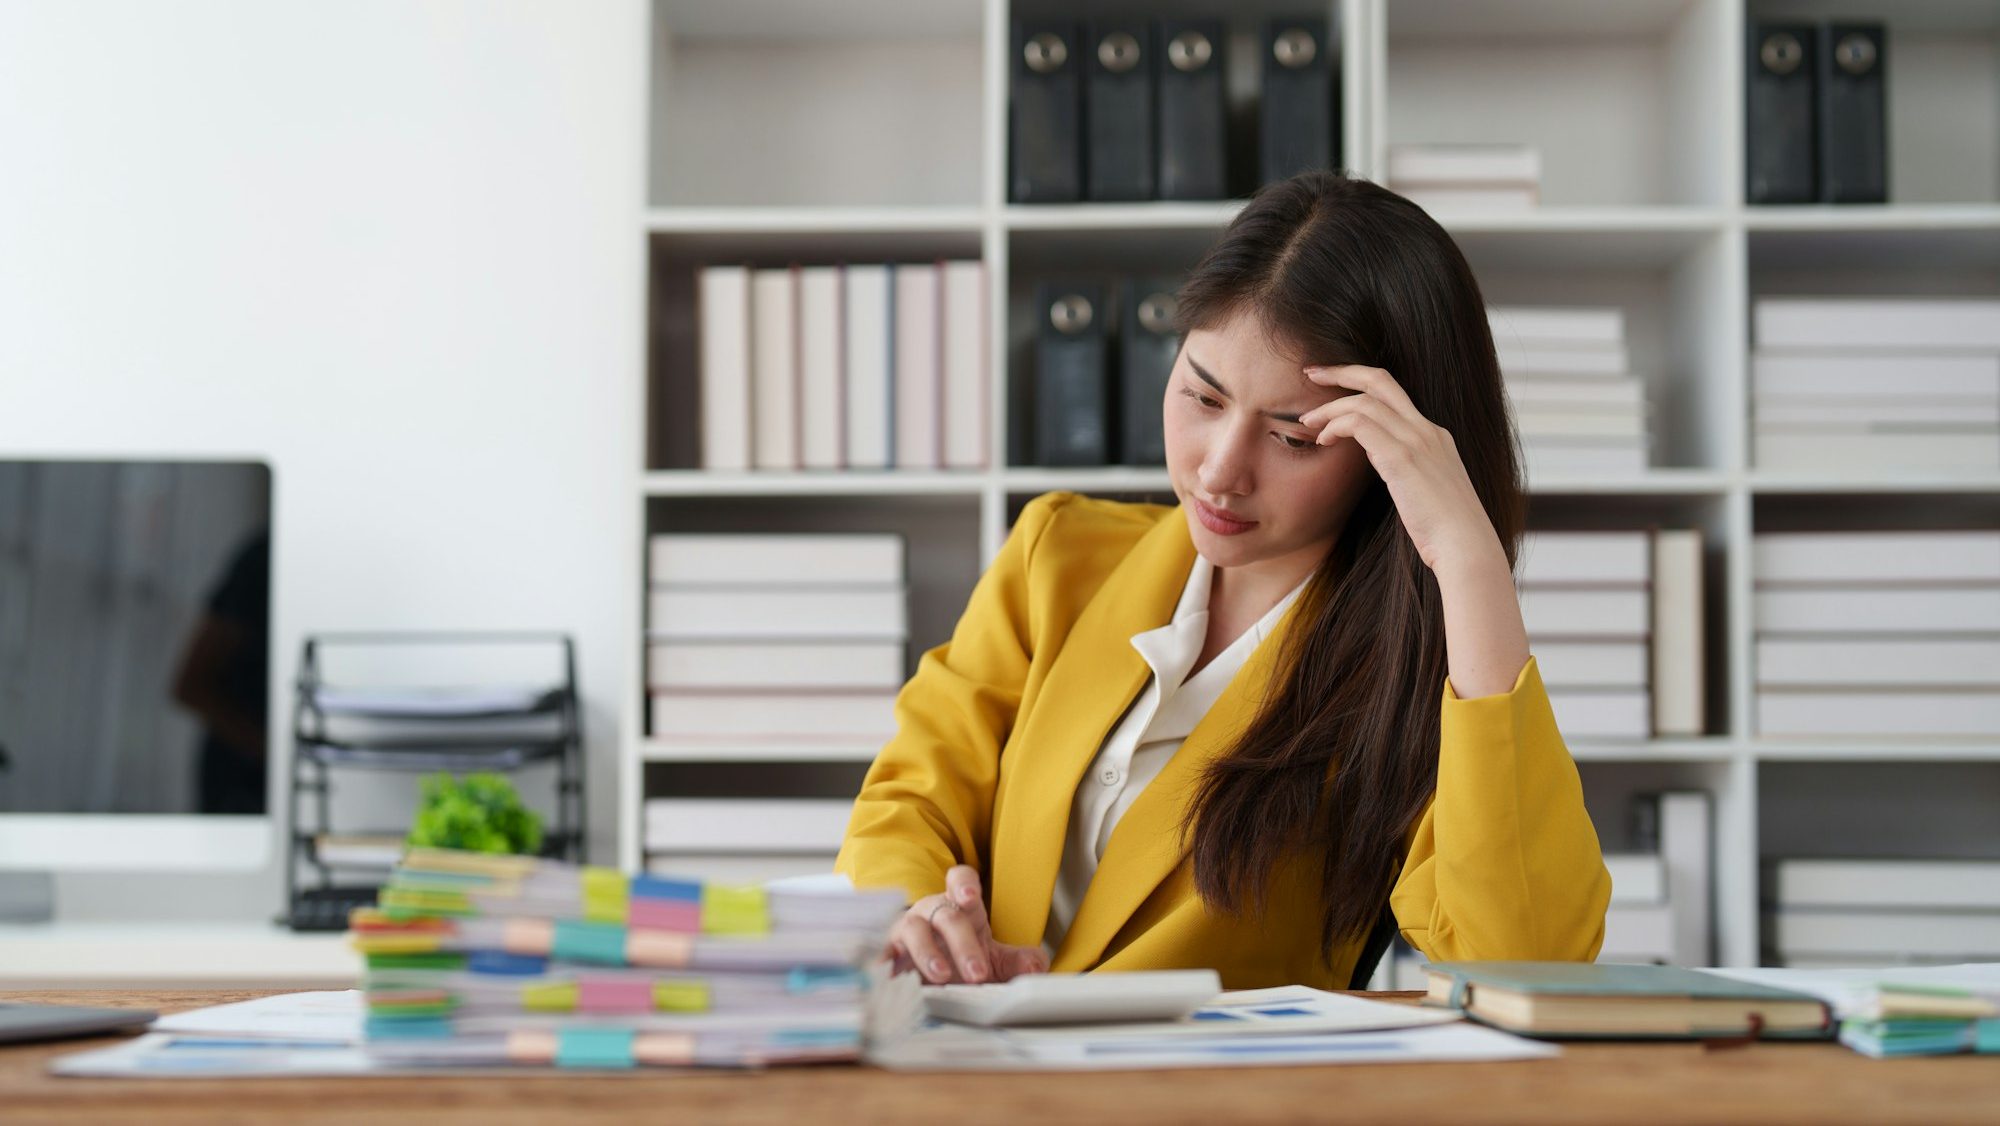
x,y
734,910
549,997
680,996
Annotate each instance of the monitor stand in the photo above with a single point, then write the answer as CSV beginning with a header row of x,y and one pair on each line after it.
x,y
27,897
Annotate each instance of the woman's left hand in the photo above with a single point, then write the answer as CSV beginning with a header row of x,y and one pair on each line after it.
x,y
1417,460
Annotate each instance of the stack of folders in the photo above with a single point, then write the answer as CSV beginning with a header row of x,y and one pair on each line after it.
x,y
1616,623
1577,405
776,642
1878,634
1087,409
1131,108
1924,1020
1816,112
1885,912
1461,177
482,960
1873,385
857,366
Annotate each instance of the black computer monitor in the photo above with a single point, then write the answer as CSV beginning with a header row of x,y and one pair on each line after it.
x,y
135,622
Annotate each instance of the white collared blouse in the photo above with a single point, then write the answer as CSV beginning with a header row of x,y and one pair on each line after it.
x,y
1151,731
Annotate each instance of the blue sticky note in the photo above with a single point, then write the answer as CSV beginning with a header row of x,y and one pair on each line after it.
x,y
579,940
657,887
503,963
594,1047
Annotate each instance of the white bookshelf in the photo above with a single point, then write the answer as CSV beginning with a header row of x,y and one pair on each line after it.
x,y
775,137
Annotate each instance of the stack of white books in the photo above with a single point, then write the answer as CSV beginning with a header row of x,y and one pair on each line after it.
x,y
1660,907
1878,634
1467,177
1615,622
1576,403
774,642
1885,912
1868,385
857,366
744,840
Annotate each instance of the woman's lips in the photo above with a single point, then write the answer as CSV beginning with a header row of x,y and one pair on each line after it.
x,y
1219,523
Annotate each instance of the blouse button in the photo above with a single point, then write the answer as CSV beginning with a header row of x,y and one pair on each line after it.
x,y
1109,777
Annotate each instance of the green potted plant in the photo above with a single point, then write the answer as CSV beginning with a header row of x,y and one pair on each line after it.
x,y
480,813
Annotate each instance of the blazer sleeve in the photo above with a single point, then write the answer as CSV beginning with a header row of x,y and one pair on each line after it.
x,y
1504,864
927,801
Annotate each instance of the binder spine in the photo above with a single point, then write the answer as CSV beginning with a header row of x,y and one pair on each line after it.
x,y
1193,154
1072,408
1147,347
1045,113
1853,123
1780,133
1118,110
1298,127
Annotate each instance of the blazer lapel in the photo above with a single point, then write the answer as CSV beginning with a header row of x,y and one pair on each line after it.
x,y
1090,684
1147,844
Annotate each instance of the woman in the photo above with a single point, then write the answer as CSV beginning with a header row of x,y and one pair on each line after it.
x,y
1232,733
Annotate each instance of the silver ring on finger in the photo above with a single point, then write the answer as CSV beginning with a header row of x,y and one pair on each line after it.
x,y
932,917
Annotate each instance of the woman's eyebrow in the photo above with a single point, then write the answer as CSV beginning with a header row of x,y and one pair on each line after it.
x,y
1281,416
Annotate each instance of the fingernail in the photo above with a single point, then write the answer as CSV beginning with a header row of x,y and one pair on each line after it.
x,y
939,968
974,969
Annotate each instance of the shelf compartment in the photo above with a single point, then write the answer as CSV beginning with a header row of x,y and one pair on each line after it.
x,y
674,346
866,141
1942,66
1622,100
940,534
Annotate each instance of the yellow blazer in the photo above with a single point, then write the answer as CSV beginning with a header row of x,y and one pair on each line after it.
x,y
998,725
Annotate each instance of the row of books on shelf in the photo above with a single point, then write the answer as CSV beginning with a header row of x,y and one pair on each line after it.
x,y
1467,177
478,960
1615,619
1883,633
776,639
1870,384
1131,108
1853,912
886,366
1578,407
850,366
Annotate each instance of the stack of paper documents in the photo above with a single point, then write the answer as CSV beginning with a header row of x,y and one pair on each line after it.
x,y
1907,1011
1253,1027
480,960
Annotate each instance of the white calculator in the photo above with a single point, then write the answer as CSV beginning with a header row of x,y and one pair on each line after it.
x,y
1097,998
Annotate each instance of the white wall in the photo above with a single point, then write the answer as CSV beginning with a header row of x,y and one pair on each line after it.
x,y
392,246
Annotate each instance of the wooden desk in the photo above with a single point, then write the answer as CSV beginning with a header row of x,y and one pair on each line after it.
x,y
1591,1083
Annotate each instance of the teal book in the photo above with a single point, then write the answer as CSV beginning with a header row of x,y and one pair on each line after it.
x,y
1917,1037
1586,1000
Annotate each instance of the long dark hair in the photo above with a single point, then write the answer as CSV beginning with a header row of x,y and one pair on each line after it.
x,y
1341,758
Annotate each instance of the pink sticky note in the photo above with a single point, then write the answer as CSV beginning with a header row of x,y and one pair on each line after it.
x,y
611,995
665,915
